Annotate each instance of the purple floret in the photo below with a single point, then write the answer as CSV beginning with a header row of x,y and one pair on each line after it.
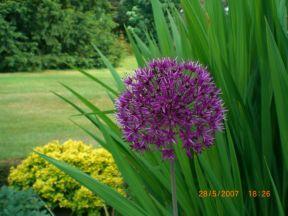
x,y
168,101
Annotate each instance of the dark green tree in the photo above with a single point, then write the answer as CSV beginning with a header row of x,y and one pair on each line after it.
x,y
138,16
50,34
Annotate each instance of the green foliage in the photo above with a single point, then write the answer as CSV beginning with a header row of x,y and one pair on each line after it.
x,y
246,51
50,34
21,203
137,15
58,189
98,6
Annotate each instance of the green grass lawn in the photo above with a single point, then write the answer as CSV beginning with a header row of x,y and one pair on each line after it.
x,y
30,115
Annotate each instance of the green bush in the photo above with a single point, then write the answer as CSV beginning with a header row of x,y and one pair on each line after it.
x,y
20,203
51,34
137,15
59,190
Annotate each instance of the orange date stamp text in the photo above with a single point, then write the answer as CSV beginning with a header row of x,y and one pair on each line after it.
x,y
218,193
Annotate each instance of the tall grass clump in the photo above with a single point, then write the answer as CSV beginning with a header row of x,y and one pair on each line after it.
x,y
244,45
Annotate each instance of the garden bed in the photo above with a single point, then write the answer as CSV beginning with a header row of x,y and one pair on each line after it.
x,y
5,166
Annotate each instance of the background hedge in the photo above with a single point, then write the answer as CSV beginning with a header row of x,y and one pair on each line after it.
x,y
50,34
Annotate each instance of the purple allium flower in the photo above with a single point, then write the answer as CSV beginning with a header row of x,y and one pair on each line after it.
x,y
169,101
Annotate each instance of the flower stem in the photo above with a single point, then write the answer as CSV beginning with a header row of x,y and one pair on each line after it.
x,y
173,187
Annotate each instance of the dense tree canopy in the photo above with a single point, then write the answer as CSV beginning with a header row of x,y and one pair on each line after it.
x,y
40,34
52,34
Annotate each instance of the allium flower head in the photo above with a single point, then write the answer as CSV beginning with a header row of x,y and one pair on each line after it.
x,y
169,101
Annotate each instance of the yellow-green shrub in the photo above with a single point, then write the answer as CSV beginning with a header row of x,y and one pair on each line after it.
x,y
58,189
